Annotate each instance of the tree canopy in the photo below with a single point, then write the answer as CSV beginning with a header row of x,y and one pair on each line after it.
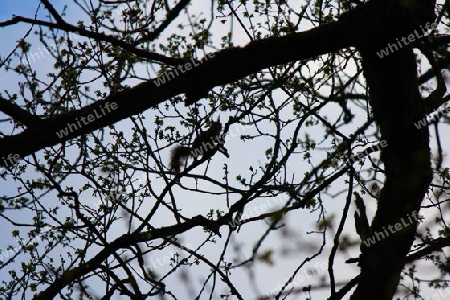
x,y
329,178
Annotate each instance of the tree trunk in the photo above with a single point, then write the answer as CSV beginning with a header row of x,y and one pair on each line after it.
x,y
396,104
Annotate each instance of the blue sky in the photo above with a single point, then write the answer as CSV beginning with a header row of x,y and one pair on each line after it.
x,y
9,7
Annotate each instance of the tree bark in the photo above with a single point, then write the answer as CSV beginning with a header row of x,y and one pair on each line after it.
x,y
396,104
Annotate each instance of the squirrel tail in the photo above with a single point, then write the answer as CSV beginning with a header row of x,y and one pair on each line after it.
x,y
178,154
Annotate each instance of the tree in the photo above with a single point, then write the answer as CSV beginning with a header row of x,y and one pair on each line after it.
x,y
320,90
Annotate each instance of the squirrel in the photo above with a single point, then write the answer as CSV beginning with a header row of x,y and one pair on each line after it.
x,y
203,144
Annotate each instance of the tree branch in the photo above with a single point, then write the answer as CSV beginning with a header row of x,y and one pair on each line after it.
x,y
226,66
18,113
123,242
99,37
